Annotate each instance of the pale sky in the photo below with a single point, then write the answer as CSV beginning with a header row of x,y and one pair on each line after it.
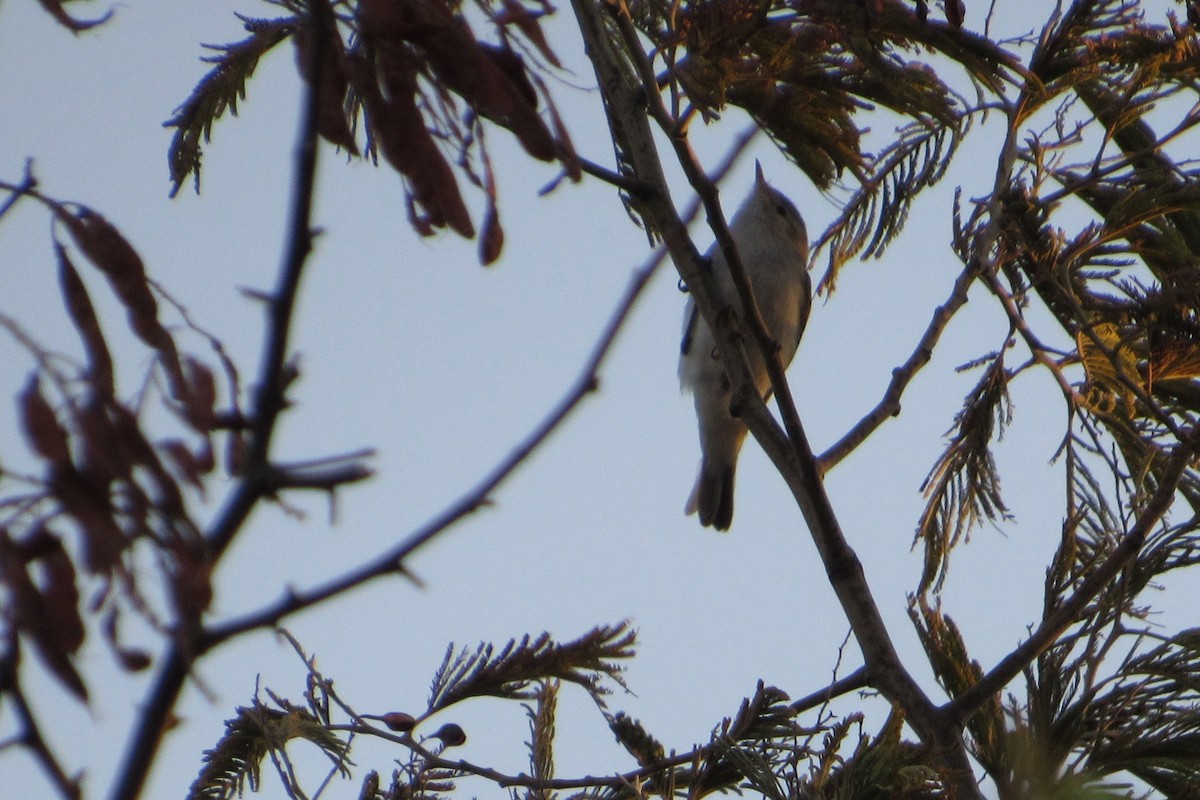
x,y
411,347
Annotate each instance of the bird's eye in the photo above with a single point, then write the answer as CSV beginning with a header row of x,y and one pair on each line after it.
x,y
782,209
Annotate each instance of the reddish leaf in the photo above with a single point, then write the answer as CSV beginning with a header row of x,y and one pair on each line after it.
x,y
185,463
45,435
113,255
103,458
235,453
491,241
407,145
513,67
956,12
527,21
201,401
60,596
83,316
88,505
55,7
332,123
447,44
30,616
132,659
168,498
191,585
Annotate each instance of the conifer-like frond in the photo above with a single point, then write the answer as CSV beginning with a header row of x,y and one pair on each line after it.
x,y
1110,366
510,671
217,92
876,213
541,736
884,766
634,737
749,747
956,671
1148,722
963,488
255,732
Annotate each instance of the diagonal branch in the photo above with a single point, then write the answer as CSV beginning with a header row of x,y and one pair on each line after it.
x,y
392,561
790,450
1061,618
889,404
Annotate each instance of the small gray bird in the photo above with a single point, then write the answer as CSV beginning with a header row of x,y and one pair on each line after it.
x,y
773,246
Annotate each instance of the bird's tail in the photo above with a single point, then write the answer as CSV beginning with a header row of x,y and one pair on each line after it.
x,y
712,496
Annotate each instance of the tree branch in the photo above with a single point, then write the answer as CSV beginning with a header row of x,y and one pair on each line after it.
x,y
1055,623
31,734
889,404
268,401
790,451
392,561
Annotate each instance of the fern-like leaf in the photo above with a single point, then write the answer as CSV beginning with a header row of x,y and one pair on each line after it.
x,y
217,92
249,737
963,488
875,215
510,672
541,736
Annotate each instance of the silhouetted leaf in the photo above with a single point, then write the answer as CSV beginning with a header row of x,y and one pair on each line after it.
x,y
217,92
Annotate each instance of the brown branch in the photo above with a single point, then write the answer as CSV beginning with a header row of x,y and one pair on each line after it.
x,y
889,404
1068,612
855,680
30,735
790,450
268,402
392,561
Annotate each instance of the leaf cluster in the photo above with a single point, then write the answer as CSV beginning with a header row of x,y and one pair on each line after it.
x,y
108,489
411,81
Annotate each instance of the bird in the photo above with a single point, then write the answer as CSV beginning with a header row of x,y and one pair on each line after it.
x,y
772,244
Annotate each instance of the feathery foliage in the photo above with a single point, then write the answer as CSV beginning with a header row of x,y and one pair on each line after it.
x,y
255,733
963,487
513,671
217,92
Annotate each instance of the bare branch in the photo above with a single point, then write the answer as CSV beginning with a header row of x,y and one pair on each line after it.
x,y
392,561
267,404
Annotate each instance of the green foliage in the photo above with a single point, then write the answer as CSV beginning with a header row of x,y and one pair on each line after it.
x,y
254,734
516,669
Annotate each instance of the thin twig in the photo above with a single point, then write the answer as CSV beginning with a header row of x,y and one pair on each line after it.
x,y
1068,612
392,561
268,402
31,737
889,404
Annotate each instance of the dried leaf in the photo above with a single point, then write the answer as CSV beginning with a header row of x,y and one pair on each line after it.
x,y
45,435
83,316
491,241
113,255
460,62
201,401
527,21
88,504
102,457
191,584
133,659
332,123
956,12
56,10
35,617
400,130
184,462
